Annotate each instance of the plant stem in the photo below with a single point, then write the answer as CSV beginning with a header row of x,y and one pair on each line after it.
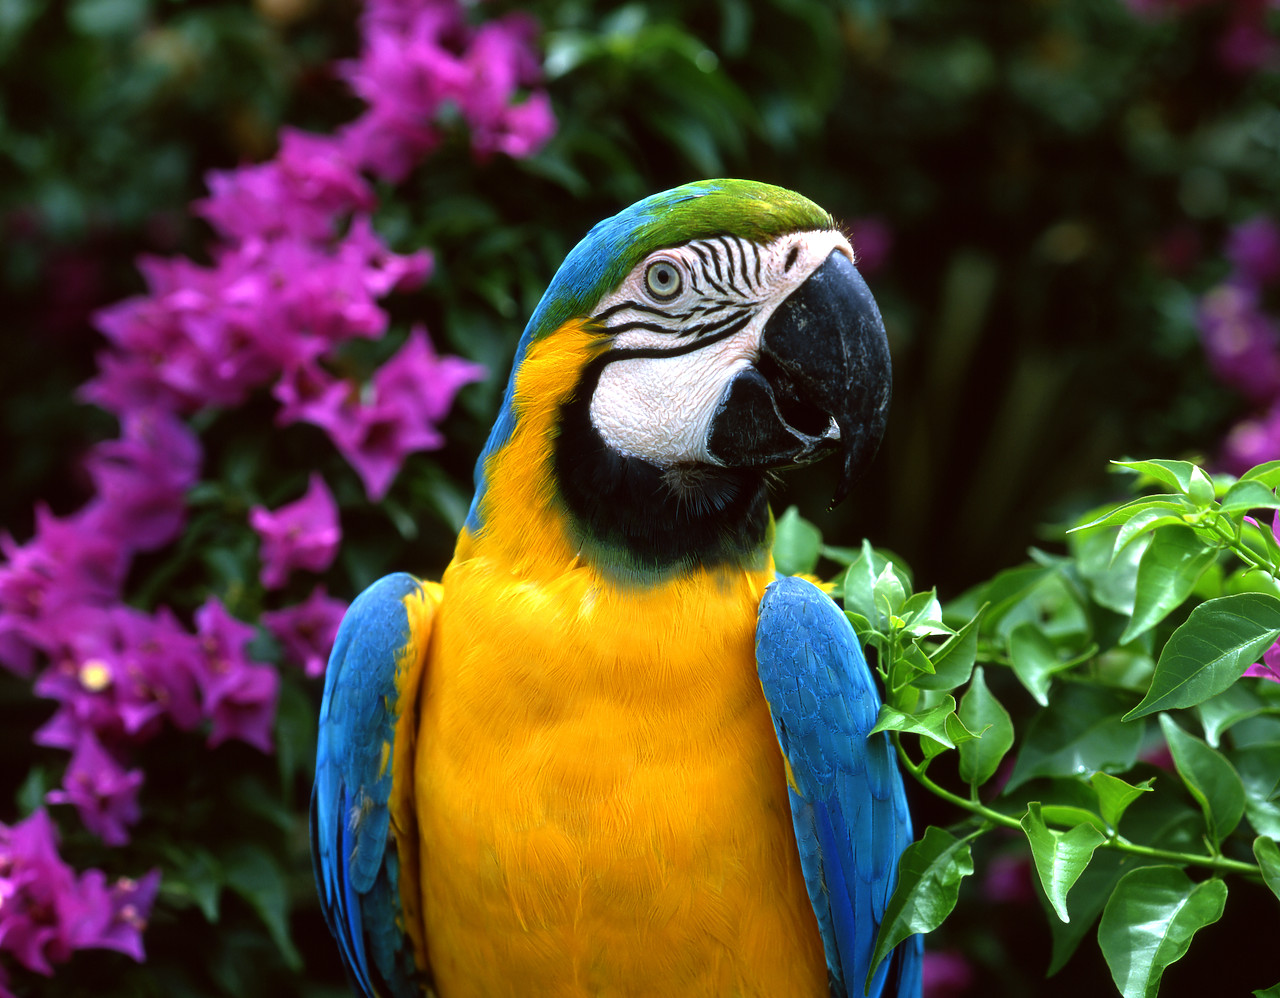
x,y
1219,864
1242,550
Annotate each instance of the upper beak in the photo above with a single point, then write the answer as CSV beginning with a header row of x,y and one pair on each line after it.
x,y
822,381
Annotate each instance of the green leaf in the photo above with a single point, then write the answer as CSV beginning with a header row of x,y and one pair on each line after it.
x,y
295,732
953,661
252,874
1248,494
890,591
1168,572
922,616
1111,575
929,875
1070,816
957,730
194,876
1149,922
1259,767
1212,780
1267,854
840,555
1201,490
1267,473
1171,503
1115,795
1010,588
908,666
1210,651
1060,857
797,543
983,714
1085,904
931,723
1179,475
1151,517
1236,703
1079,734
1035,660
1271,992
858,584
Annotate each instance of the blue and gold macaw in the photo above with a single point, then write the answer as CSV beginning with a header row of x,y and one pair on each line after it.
x,y
611,753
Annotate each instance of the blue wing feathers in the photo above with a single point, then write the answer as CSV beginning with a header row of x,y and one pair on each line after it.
x,y
848,804
353,853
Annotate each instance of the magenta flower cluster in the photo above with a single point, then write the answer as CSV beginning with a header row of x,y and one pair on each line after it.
x,y
296,272
47,911
1245,45
1241,339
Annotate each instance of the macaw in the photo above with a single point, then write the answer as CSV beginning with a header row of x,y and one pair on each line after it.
x,y
611,753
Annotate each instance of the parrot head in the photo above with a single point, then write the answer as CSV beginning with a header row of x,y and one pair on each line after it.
x,y
730,334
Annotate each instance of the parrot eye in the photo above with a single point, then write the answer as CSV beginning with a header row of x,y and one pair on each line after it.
x,y
663,280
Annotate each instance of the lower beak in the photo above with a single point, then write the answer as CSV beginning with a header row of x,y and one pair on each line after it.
x,y
821,382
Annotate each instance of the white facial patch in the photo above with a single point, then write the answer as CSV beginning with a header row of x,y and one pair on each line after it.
x,y
685,322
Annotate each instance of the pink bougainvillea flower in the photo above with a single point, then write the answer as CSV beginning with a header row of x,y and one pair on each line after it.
x,y
381,270
117,914
301,534
404,73
499,62
416,59
48,912
1248,44
183,346
239,694
41,888
1241,342
946,973
311,182
1269,667
118,672
1008,879
208,336
307,630
105,794
872,240
142,478
1254,250
68,563
1252,441
395,415
308,393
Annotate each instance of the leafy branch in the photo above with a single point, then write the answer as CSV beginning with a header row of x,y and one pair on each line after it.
x,y
1144,738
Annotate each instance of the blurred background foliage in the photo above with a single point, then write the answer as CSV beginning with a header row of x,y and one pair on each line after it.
x,y
1039,190
1046,184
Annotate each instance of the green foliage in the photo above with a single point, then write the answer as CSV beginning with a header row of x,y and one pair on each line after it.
x,y
1149,921
1138,637
929,875
1060,857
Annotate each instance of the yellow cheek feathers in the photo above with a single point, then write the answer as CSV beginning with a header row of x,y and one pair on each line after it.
x,y
523,520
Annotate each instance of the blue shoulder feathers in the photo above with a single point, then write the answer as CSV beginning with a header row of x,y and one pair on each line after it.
x,y
356,864
847,800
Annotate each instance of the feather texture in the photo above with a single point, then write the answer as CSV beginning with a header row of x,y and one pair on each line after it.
x,y
367,884
847,800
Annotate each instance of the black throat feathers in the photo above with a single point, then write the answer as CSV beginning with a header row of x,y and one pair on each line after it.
x,y
640,521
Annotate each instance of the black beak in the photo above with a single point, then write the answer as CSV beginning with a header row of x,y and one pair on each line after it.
x,y
822,381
